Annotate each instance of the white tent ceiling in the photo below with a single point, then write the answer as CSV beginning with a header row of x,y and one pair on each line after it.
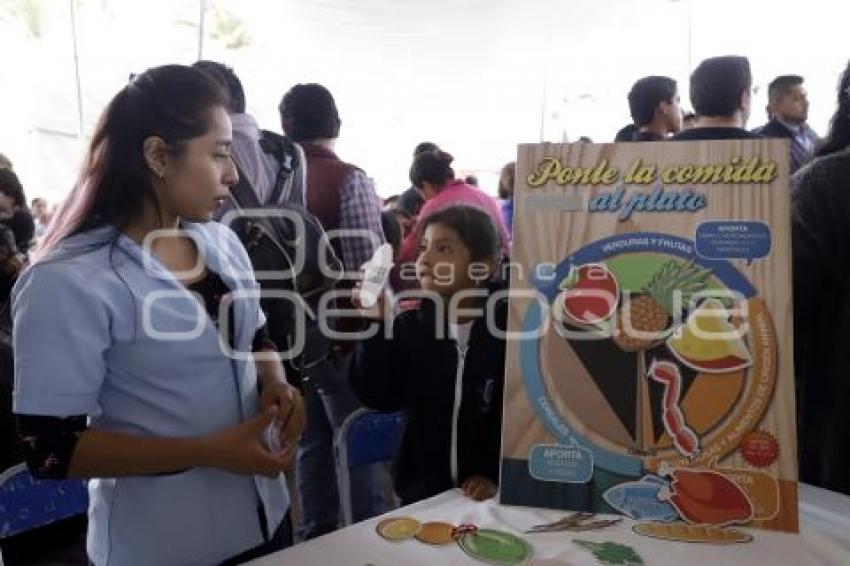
x,y
475,76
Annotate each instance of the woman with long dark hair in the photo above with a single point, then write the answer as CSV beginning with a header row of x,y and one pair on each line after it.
x,y
821,233
137,333
432,174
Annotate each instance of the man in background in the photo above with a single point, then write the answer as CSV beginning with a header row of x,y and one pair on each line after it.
x,y
342,197
788,109
258,167
721,96
654,106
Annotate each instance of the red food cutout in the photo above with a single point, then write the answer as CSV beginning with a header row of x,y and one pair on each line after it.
x,y
759,448
593,296
684,438
708,498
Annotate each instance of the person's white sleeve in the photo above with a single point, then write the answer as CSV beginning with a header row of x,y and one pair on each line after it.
x,y
61,334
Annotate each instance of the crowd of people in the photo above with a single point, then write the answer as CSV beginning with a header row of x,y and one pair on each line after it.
x,y
193,431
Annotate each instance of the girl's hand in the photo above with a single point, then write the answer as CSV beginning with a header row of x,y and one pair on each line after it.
x,y
479,488
377,311
290,409
240,449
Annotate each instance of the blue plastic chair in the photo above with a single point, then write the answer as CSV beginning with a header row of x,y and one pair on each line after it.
x,y
366,437
27,503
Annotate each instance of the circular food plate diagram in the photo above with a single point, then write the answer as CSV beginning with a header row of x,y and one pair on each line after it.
x,y
640,335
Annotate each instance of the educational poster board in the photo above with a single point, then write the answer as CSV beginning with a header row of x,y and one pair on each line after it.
x,y
650,365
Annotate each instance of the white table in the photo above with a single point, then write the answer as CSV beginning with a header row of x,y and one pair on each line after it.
x,y
824,538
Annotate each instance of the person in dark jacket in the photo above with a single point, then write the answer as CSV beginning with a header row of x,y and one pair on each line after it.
x,y
441,365
820,231
720,89
654,106
341,196
789,110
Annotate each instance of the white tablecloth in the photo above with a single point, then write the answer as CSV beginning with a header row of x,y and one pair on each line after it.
x,y
824,538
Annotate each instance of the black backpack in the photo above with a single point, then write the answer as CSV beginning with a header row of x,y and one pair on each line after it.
x,y
274,244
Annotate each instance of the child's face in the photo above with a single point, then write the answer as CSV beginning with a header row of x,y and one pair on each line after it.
x,y
443,265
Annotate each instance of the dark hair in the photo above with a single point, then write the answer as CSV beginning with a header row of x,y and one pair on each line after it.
x,y
718,83
433,167
224,76
780,86
626,133
308,112
838,137
391,229
473,226
172,102
402,212
391,201
506,180
10,186
471,180
646,94
422,147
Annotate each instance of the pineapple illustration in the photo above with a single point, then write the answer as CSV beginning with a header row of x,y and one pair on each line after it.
x,y
653,309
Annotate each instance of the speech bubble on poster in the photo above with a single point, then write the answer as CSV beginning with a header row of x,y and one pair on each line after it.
x,y
730,239
568,463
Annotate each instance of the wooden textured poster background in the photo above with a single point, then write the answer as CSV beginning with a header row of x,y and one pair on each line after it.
x,y
545,234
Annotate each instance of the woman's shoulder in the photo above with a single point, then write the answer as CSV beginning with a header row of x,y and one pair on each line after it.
x,y
473,196
80,280
83,263
86,270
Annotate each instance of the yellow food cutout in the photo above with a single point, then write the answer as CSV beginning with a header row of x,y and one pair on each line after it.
x,y
683,532
708,342
436,533
398,528
760,487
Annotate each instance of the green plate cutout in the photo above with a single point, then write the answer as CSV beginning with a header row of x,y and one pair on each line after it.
x,y
495,547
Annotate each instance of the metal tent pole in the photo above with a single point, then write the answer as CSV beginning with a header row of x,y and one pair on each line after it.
x,y
202,19
77,69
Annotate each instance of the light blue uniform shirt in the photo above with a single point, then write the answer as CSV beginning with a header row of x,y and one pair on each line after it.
x,y
83,340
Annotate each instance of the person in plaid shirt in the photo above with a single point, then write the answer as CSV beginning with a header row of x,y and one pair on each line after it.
x,y
341,196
